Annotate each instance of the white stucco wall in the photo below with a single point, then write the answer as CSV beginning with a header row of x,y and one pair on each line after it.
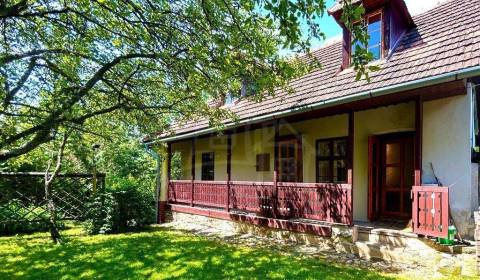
x,y
446,144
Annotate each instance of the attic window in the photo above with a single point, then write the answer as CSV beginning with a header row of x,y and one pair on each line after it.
x,y
374,28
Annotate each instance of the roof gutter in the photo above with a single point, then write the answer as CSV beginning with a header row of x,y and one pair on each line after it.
x,y
443,78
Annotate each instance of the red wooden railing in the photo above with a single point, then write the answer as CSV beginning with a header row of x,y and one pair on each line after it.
x,y
324,202
430,211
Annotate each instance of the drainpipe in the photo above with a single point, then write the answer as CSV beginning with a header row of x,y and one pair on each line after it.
x,y
158,159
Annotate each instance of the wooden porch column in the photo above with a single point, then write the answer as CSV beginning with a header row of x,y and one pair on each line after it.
x,y
193,170
418,140
351,131
351,145
169,161
275,168
229,170
164,182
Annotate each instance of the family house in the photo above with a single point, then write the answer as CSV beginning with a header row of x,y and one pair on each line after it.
x,y
402,147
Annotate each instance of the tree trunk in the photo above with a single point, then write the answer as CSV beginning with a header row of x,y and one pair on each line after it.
x,y
54,233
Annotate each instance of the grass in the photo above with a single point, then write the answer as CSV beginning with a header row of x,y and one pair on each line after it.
x,y
156,254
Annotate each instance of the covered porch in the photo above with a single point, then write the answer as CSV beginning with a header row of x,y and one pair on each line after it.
x,y
229,176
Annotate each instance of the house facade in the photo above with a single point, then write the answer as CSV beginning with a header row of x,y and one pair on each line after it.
x,y
402,147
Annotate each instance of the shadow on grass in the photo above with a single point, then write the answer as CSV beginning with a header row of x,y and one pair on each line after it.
x,y
155,254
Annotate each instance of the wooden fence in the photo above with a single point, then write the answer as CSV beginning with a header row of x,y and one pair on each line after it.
x,y
324,202
22,196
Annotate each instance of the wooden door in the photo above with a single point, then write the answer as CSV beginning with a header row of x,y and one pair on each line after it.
x,y
289,152
396,175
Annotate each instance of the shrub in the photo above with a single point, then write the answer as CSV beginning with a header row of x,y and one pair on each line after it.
x,y
136,209
101,214
119,211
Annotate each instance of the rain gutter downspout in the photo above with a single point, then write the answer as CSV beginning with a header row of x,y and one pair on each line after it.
x,y
448,77
157,158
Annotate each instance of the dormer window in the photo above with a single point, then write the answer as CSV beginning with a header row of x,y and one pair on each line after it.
x,y
374,27
386,21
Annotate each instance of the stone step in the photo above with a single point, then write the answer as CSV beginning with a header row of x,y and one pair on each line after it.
x,y
387,237
372,250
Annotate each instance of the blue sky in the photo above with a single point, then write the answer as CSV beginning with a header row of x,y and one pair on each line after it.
x,y
332,30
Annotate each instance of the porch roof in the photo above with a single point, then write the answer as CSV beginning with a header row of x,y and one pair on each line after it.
x,y
444,44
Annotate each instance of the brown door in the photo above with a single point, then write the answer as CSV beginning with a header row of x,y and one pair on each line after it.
x,y
289,160
396,175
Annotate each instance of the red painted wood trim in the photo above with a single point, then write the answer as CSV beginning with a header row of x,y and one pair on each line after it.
x,y
299,159
418,140
373,165
316,229
351,145
169,161
275,167
161,208
229,171
430,216
193,170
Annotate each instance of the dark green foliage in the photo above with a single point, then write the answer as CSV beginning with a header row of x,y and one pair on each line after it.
x,y
136,209
119,211
102,215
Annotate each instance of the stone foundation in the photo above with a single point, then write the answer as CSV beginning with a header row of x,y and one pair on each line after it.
x,y
387,245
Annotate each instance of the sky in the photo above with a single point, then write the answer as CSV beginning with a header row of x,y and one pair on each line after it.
x,y
333,31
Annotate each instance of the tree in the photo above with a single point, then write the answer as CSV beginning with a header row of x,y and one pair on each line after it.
x,y
66,64
50,176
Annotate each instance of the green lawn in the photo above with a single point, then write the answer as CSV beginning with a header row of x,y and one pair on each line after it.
x,y
156,254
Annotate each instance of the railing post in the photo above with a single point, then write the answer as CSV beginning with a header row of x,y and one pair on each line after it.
x,y
229,170
193,171
275,170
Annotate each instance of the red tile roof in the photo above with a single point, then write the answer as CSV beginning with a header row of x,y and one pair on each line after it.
x,y
445,39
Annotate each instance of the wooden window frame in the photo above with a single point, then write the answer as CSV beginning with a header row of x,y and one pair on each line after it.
x,y
203,175
380,12
299,154
331,158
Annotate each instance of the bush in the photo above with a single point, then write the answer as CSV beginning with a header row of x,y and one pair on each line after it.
x,y
120,211
101,214
136,209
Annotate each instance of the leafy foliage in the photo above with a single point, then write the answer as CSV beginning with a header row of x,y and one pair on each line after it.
x,y
68,64
102,214
120,211
352,17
